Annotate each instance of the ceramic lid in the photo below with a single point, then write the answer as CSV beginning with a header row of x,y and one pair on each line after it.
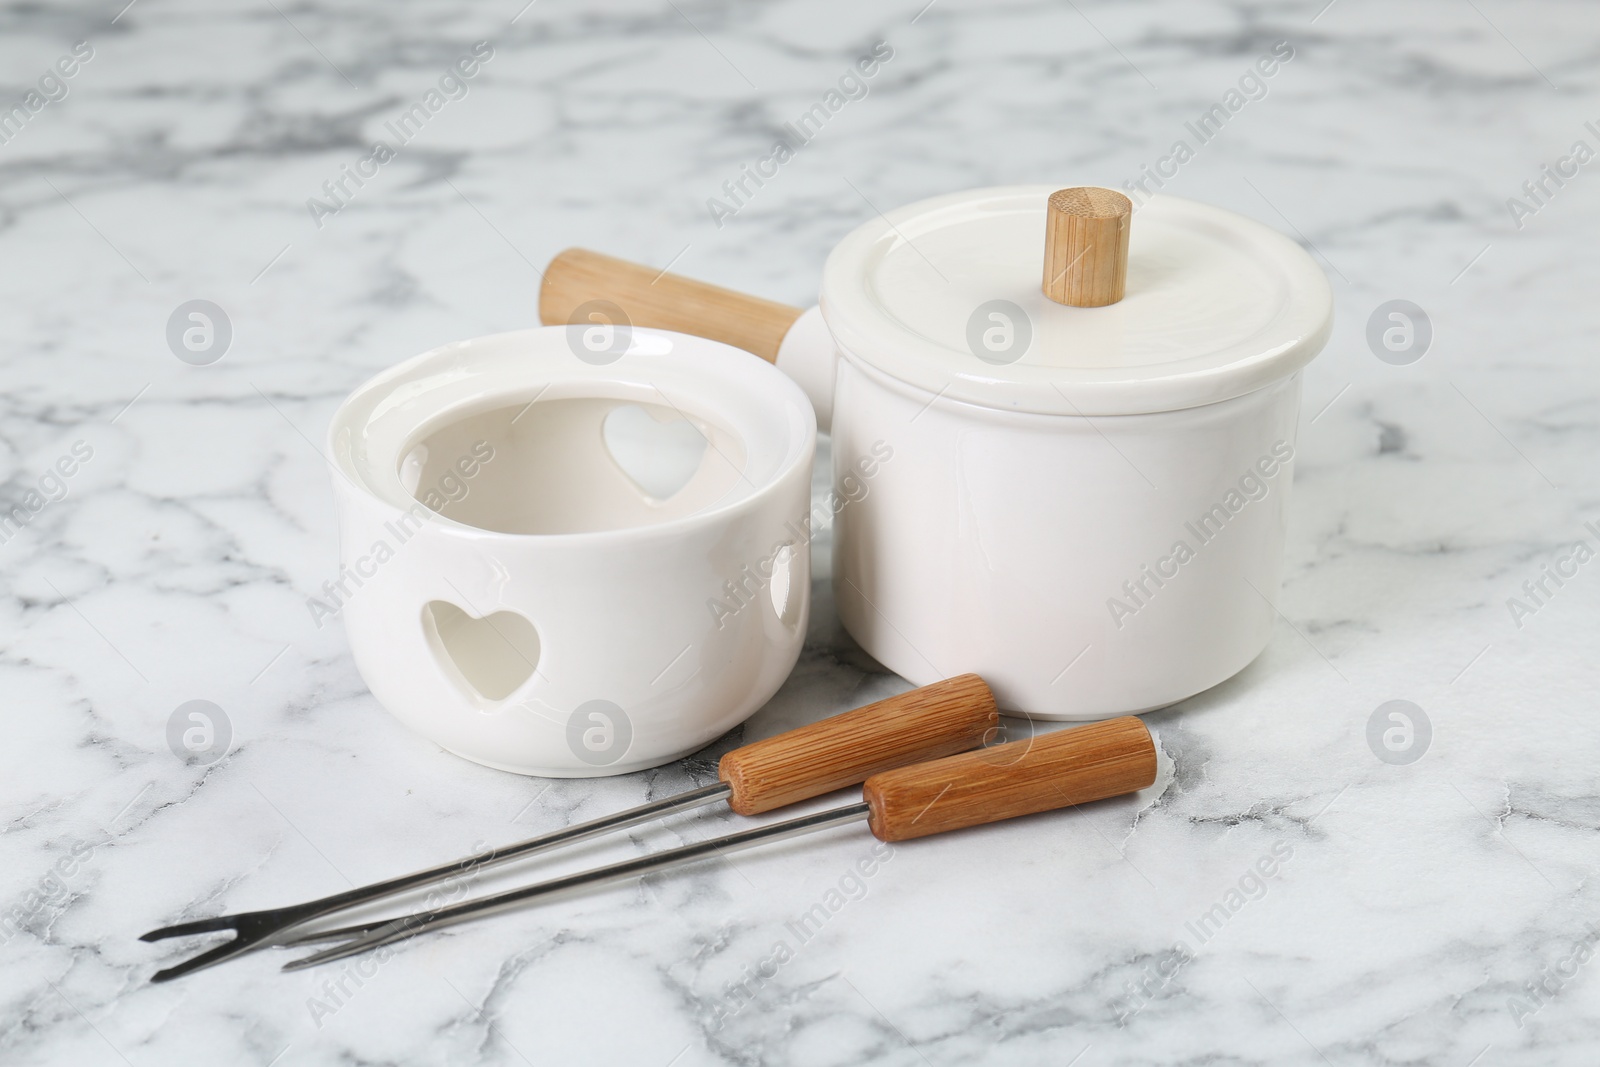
x,y
945,295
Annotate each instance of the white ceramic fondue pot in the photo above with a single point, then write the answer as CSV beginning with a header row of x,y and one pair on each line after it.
x,y
1085,505
518,594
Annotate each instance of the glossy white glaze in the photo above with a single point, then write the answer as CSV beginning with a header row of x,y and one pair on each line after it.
x,y
1084,567
503,572
809,357
1217,306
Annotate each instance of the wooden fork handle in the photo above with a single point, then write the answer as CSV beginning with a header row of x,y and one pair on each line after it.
x,y
923,724
1057,770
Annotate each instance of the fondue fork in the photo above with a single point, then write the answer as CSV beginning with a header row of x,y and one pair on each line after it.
x,y
1037,774
935,720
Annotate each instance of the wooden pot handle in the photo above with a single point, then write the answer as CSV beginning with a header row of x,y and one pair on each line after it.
x,y
1056,770
664,301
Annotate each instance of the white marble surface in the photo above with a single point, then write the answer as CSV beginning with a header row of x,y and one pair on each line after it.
x,y
1417,900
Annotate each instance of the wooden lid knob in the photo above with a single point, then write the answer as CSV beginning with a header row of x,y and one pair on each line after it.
x,y
1086,246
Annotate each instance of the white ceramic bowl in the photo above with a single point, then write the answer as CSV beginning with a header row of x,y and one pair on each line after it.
x,y
572,566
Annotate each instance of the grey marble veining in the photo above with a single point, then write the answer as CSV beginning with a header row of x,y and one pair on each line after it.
x,y
1440,912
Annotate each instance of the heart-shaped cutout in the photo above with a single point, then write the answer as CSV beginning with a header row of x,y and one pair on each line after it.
x,y
490,656
657,448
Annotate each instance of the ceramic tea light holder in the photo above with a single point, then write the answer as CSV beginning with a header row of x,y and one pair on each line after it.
x,y
571,566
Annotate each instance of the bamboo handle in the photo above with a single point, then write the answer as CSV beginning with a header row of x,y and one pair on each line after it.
x,y
1057,770
1086,246
923,724
664,301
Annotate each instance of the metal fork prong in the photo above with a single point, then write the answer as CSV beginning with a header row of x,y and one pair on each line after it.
x,y
264,926
209,958
199,926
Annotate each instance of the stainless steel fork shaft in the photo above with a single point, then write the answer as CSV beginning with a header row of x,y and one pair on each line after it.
x,y
373,935
567,835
